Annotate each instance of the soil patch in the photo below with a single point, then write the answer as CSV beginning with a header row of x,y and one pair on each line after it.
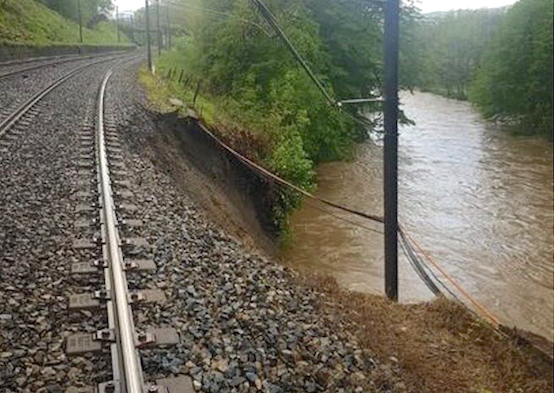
x,y
231,194
440,346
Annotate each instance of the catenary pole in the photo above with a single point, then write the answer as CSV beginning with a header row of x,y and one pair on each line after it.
x,y
117,23
149,48
392,22
158,27
133,28
80,21
168,28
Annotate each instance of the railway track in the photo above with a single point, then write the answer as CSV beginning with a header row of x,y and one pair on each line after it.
x,y
46,62
104,209
29,106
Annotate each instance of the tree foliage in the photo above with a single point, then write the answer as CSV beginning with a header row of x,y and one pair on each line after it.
x,y
515,81
234,51
238,56
451,46
501,59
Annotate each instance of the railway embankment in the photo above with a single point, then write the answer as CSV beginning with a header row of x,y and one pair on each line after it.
x,y
432,347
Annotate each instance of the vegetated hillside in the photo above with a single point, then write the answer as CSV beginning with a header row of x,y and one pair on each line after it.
x,y
501,59
30,22
90,9
258,95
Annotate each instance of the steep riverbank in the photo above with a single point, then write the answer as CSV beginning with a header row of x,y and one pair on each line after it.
x,y
438,346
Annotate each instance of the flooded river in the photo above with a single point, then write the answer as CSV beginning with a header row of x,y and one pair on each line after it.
x,y
477,199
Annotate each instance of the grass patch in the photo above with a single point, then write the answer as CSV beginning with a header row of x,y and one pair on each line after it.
x,y
440,346
29,22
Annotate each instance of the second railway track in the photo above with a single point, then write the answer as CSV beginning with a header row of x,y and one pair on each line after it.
x,y
16,115
23,65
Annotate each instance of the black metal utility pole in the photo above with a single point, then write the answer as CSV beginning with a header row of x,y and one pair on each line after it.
x,y
168,24
133,29
141,30
158,27
149,49
392,22
117,23
80,21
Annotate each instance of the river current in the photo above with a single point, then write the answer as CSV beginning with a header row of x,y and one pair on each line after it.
x,y
478,199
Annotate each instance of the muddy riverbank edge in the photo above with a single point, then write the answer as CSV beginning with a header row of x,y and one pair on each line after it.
x,y
440,346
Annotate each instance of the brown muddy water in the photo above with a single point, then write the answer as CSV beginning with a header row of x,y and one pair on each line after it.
x,y
479,200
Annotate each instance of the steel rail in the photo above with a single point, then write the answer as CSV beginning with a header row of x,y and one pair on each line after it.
x,y
130,368
9,121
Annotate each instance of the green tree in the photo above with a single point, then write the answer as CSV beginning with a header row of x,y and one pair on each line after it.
x,y
451,47
515,81
262,88
90,8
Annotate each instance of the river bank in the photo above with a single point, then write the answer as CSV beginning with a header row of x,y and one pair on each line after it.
x,y
438,346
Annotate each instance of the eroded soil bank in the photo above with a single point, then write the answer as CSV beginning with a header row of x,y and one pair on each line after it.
x,y
236,198
430,347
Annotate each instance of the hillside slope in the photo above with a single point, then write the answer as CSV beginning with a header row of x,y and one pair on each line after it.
x,y
29,22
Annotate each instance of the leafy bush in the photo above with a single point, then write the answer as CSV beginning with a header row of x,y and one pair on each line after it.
x,y
516,80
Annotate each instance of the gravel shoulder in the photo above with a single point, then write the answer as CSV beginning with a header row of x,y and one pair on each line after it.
x,y
245,323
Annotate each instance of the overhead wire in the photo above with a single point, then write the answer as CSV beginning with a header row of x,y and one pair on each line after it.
x,y
418,266
272,20
336,216
476,303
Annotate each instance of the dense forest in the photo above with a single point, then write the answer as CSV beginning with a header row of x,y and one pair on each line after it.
x,y
500,59
451,46
515,79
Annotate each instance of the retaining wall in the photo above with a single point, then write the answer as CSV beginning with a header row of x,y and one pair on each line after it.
x,y
20,52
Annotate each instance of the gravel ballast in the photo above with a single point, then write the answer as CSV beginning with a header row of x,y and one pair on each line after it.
x,y
19,87
245,322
